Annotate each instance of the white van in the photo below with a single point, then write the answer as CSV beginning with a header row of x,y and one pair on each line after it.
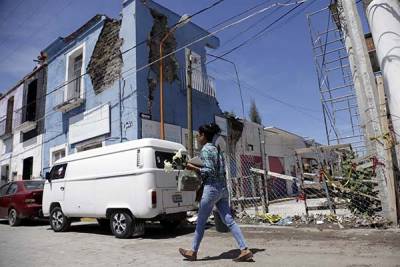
x,y
122,185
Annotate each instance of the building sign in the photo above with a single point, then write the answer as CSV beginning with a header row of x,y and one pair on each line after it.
x,y
91,123
145,116
151,129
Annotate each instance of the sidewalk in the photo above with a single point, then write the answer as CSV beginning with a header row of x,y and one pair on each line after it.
x,y
87,245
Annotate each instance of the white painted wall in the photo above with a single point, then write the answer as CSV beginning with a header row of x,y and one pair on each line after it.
x,y
21,151
282,144
250,136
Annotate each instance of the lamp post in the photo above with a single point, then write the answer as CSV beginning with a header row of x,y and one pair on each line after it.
x,y
237,78
182,21
238,83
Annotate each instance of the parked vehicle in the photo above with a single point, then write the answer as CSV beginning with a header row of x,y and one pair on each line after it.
x,y
21,200
122,185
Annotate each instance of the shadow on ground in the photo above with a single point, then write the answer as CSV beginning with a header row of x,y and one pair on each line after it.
x,y
230,255
152,231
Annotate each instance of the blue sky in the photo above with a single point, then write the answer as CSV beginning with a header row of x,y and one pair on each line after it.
x,y
280,64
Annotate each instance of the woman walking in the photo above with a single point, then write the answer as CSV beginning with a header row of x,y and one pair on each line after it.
x,y
215,193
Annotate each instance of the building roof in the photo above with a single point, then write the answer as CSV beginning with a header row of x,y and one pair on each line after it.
x,y
61,42
27,76
212,41
277,130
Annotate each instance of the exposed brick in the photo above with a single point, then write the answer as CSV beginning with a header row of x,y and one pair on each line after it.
x,y
106,62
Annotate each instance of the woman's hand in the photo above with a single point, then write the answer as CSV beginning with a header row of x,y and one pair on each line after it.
x,y
192,167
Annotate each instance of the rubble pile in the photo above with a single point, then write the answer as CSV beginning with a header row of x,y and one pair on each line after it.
x,y
320,220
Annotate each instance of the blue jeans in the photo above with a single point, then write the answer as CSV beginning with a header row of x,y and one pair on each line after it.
x,y
216,194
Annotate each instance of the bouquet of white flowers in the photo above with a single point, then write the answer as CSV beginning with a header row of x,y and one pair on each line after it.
x,y
178,162
187,180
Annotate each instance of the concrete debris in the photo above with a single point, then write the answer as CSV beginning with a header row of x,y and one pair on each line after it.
x,y
285,221
322,220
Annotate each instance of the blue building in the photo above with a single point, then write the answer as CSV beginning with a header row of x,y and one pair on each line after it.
x,y
102,89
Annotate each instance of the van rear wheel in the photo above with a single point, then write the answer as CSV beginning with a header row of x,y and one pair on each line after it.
x,y
58,221
121,224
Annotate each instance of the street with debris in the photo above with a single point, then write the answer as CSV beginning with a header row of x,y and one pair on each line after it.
x,y
87,245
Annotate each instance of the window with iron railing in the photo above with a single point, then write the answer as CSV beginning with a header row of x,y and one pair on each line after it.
x,y
74,87
71,95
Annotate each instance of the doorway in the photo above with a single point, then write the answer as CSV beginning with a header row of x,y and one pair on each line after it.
x,y
27,168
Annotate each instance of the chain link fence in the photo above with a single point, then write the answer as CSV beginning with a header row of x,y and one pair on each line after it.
x,y
322,186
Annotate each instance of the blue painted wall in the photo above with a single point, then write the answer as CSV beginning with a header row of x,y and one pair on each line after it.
x,y
175,108
135,27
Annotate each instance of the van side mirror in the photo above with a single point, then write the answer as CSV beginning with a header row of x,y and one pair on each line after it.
x,y
48,176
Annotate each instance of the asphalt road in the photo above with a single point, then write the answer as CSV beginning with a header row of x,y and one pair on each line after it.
x,y
35,244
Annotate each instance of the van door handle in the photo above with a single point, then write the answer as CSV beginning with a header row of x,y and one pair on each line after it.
x,y
62,188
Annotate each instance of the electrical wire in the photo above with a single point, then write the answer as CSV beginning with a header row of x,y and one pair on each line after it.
x,y
135,69
193,42
260,33
268,96
66,83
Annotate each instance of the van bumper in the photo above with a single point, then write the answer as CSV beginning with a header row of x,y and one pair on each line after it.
x,y
179,209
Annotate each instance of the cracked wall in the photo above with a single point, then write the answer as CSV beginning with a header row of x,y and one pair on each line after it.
x,y
106,62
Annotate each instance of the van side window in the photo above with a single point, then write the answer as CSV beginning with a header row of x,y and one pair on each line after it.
x,y
58,172
161,156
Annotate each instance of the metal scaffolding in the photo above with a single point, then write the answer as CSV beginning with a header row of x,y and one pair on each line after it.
x,y
338,98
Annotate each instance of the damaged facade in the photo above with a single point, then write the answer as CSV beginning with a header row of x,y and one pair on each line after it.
x,y
110,89
22,127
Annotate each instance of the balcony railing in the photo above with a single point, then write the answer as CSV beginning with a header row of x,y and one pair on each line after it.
x,y
201,82
69,97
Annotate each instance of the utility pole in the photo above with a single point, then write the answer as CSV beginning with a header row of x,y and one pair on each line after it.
x,y
189,103
120,108
366,91
264,178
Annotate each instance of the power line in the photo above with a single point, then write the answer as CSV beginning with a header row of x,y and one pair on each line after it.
x,y
263,93
183,47
191,43
260,11
277,4
257,35
66,83
251,26
176,24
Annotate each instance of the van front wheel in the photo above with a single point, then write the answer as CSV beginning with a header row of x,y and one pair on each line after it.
x,y
58,221
121,224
